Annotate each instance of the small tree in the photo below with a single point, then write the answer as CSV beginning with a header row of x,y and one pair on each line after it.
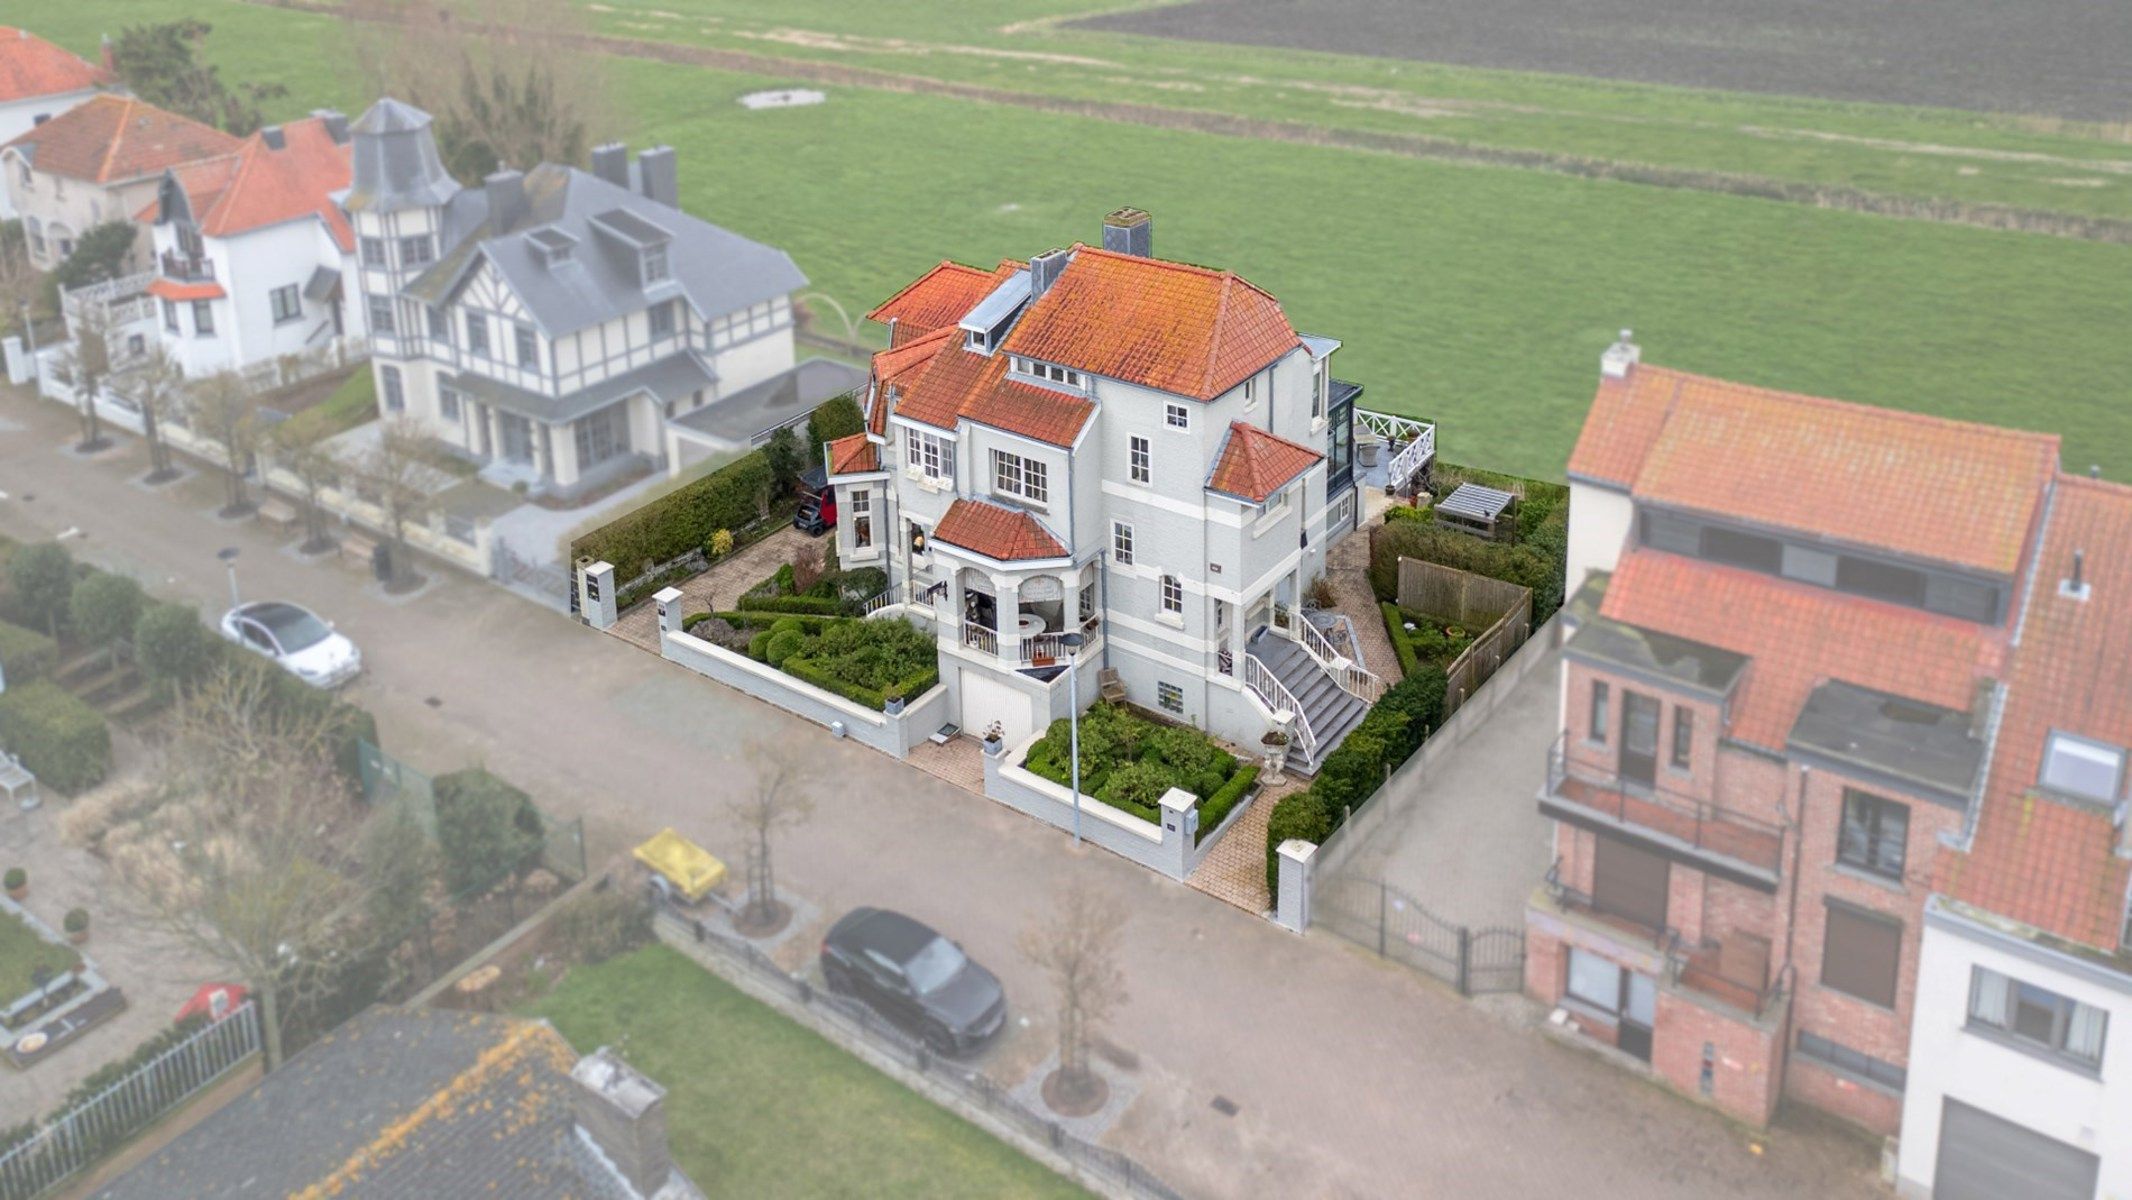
x,y
174,650
41,579
222,409
103,252
782,453
161,64
779,797
487,829
87,362
18,279
299,446
400,468
104,609
399,862
1076,946
837,417
157,385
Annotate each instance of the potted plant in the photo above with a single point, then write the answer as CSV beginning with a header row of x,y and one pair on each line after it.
x,y
18,883
893,701
76,924
1275,743
995,737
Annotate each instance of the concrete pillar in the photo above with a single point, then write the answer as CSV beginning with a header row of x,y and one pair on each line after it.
x,y
1291,901
669,602
1007,605
595,592
1180,831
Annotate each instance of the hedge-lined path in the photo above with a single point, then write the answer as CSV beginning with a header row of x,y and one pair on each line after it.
x,y
718,588
1347,570
1234,871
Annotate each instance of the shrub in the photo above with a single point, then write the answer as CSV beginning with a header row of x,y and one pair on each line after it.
x,y
759,645
16,879
596,926
1420,697
1298,815
809,605
783,646
782,453
785,582
1137,788
172,646
721,543
834,418
788,625
1217,806
103,609
76,920
683,520
25,654
40,582
1349,774
1402,645
487,829
63,741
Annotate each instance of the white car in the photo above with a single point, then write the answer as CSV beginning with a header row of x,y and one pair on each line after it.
x,y
294,637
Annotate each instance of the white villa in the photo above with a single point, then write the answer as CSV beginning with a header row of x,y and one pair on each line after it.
x,y
39,81
566,327
1099,442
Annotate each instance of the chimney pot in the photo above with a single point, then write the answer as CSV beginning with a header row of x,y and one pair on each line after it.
x,y
335,124
625,1115
2075,585
2094,470
1044,270
273,138
1621,357
1129,231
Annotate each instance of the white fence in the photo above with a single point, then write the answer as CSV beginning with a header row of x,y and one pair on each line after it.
x,y
85,1133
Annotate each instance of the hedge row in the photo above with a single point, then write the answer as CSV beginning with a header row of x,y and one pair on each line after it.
x,y
802,605
1216,807
1392,730
61,739
1395,628
25,654
808,671
1537,560
760,619
731,497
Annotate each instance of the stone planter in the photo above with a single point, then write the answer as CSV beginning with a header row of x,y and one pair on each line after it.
x,y
894,707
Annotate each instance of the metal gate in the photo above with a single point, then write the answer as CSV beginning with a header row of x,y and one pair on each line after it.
x,y
1380,917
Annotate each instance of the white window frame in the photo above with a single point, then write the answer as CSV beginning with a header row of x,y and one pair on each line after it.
x,y
659,319
525,346
931,456
285,304
1177,416
1251,393
2088,752
1172,591
1140,459
1025,478
1121,543
862,520
655,266
447,402
416,249
1320,390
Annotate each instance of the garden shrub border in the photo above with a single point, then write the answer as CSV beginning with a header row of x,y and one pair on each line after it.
x,y
1216,808
804,669
25,653
60,737
683,519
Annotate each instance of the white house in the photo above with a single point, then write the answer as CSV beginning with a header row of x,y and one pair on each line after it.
x,y
2020,1068
1097,442
39,81
252,250
557,325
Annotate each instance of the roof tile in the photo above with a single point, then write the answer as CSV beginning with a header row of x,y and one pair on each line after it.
x,y
853,455
940,297
31,67
1254,464
1003,534
263,186
109,138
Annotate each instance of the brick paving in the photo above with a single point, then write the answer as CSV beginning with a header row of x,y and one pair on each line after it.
x,y
1347,569
718,587
960,762
1235,870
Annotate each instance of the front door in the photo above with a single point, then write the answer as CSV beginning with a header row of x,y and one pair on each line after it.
x,y
518,438
1639,1009
1639,739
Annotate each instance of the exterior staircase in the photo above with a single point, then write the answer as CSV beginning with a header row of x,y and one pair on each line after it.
x,y
1331,709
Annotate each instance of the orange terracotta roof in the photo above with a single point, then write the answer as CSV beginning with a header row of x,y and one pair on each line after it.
x,y
2050,863
171,289
1163,325
940,297
263,186
1255,464
853,455
109,138
32,67
1003,534
898,368
202,182
1800,636
960,384
1949,491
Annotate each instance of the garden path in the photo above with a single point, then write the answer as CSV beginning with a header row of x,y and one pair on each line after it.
x,y
1234,871
1347,569
719,586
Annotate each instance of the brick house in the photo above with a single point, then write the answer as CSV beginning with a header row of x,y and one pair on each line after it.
x,y
1102,444
39,81
1791,633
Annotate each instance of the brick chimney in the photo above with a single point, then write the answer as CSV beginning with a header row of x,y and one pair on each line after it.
x,y
659,176
624,1114
611,163
1044,270
1620,358
507,198
335,123
1129,231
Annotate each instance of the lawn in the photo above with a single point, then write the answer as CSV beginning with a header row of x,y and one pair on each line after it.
x,y
759,1106
1479,297
22,952
352,403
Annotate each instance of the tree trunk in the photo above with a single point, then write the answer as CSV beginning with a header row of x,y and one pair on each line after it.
x,y
270,1026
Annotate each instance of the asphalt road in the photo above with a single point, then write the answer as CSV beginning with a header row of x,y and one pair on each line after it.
x,y
1350,1077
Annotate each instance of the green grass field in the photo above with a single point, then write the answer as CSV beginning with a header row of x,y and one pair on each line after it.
x,y
1477,296
22,952
759,1106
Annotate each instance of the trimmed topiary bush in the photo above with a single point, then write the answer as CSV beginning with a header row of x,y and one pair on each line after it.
x,y
63,741
1216,808
784,645
1297,815
759,645
172,646
40,584
103,609
25,654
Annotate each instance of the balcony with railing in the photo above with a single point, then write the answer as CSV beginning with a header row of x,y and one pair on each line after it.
x,y
1735,845
188,268
1735,973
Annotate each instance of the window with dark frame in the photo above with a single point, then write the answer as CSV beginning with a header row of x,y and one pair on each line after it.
x,y
2040,1018
285,304
416,250
528,346
203,318
477,334
1170,697
395,394
662,319
447,403
1861,954
1683,756
373,252
1874,834
381,314
440,325
1600,695
170,316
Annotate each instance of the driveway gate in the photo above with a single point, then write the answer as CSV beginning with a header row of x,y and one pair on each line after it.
x,y
1380,917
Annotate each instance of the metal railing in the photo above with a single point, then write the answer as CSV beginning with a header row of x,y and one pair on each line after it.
x,y
1357,680
86,1132
859,1029
1416,441
188,268
1698,823
1275,695
1696,968
977,637
1043,649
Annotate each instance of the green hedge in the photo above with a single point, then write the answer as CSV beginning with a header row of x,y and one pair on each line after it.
x,y
682,520
1297,815
811,671
62,740
1403,646
763,619
1216,807
1395,727
1129,761
804,605
25,654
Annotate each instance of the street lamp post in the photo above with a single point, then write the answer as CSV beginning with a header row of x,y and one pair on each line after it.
x,y
228,555
1072,642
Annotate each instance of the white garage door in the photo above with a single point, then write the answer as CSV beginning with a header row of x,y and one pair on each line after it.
x,y
985,700
1983,1157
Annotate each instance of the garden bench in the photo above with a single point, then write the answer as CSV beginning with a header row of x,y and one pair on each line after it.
x,y
17,781
357,548
278,514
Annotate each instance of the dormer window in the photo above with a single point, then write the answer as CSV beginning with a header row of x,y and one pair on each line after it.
x,y
552,245
2075,766
655,268
986,325
1050,372
977,340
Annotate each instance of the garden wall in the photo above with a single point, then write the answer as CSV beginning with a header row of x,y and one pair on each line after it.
x,y
1172,848
891,735
1474,601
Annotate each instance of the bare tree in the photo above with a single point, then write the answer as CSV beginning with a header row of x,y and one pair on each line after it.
x,y
18,279
221,407
508,81
250,861
778,798
157,385
399,471
1076,944
87,362
299,445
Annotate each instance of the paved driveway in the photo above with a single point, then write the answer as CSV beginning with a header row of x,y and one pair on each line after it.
x,y
1350,1077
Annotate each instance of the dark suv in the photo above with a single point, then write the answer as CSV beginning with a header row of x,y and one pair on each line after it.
x,y
914,977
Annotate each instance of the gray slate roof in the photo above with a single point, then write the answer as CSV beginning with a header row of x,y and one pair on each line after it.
x,y
715,270
505,1132
1933,749
395,161
670,378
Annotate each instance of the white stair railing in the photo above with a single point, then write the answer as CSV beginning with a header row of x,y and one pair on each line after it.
x,y
1354,678
1275,695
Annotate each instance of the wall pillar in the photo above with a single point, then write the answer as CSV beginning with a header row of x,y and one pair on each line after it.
x,y
1180,831
669,602
1291,901
1007,604
595,591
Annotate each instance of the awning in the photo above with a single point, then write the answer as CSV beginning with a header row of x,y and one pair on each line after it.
x,y
324,283
171,289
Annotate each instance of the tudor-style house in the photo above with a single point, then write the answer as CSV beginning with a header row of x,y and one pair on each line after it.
x,y
252,250
39,81
1810,671
556,325
1101,443
99,161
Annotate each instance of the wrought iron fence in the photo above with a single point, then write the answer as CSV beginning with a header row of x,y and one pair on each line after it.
x,y
1377,916
85,1132
855,1025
